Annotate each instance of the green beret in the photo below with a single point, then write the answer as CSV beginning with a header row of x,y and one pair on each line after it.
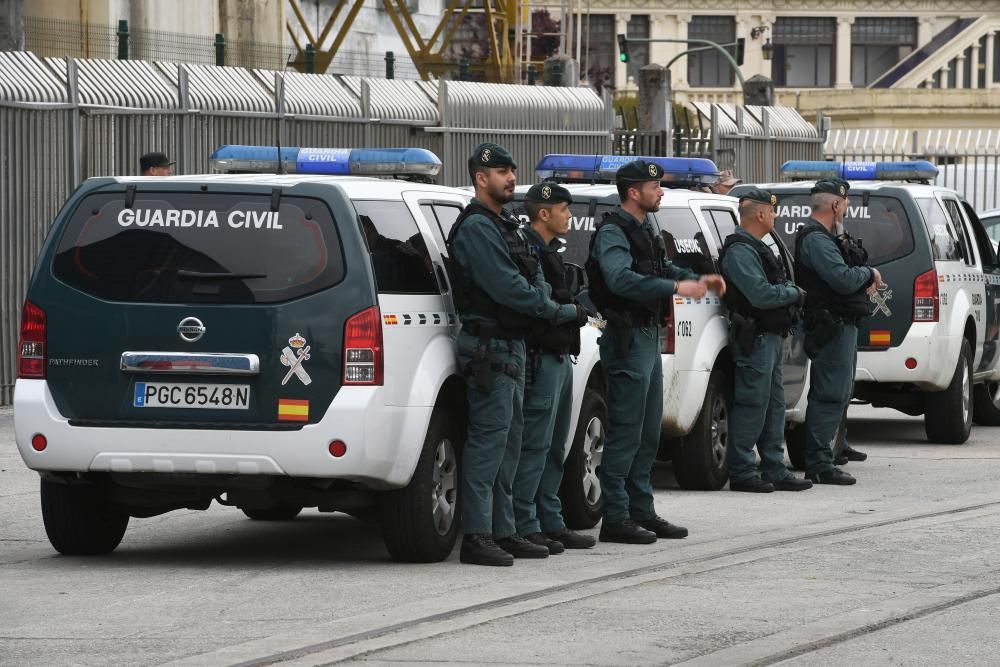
x,y
639,171
833,186
548,192
760,196
491,155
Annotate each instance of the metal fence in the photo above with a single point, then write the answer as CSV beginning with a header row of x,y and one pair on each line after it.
x,y
968,160
62,121
751,141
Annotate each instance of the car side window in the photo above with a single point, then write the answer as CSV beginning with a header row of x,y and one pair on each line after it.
x,y
398,250
685,241
986,251
951,206
723,223
945,241
447,214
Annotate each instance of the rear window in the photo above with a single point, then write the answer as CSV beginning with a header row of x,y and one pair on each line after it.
x,y
882,226
193,247
945,243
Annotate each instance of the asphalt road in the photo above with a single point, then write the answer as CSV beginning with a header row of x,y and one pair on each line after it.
x,y
900,569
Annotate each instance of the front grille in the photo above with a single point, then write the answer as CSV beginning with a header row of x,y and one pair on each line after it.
x,y
211,426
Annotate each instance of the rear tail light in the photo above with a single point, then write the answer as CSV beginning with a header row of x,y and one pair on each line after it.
x,y
31,346
363,359
667,336
925,297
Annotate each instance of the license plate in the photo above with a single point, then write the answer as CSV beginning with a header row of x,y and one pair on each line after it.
x,y
187,395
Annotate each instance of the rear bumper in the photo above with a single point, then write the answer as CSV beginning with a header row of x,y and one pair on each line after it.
x,y
936,357
383,442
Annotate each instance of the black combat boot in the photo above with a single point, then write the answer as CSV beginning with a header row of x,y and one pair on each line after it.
x,y
518,547
554,546
792,484
835,476
752,485
572,540
480,549
664,528
626,532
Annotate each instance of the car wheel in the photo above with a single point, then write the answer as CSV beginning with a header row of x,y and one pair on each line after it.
x,y
700,461
986,404
278,512
79,520
948,419
420,522
795,445
580,491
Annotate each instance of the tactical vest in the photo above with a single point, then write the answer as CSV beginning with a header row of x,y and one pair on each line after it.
x,y
470,299
772,320
648,256
545,336
819,295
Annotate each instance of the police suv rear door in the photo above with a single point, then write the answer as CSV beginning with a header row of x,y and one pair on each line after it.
x,y
200,305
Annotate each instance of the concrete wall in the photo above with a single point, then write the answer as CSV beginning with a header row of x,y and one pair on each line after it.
x,y
11,25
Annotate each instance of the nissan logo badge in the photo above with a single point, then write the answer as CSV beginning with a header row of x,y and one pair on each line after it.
x,y
191,329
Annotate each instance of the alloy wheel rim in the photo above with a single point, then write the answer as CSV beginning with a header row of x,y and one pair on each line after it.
x,y
593,452
444,489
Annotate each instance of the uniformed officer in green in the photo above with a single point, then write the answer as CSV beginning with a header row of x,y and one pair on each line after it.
x,y
499,292
837,290
763,307
548,391
629,281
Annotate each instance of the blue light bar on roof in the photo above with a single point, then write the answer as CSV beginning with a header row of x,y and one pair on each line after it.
x,y
602,168
327,161
912,170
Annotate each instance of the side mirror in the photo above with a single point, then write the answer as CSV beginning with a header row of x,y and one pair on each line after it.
x,y
576,278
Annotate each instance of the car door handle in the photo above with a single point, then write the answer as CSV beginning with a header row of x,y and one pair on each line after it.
x,y
442,279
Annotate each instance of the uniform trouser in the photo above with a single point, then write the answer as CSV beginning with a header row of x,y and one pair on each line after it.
x,y
758,415
493,441
548,407
831,378
635,410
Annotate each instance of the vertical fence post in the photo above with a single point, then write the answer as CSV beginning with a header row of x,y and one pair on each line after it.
x,y
390,65
366,110
123,40
310,59
220,49
75,148
279,110
183,120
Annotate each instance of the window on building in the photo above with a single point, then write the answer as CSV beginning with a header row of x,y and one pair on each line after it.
x,y
877,44
600,49
804,52
638,53
711,69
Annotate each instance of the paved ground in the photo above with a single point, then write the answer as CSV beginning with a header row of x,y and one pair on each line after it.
x,y
900,569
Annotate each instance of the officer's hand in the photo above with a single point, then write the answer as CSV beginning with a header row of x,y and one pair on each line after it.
x,y
878,279
715,282
582,316
802,296
692,288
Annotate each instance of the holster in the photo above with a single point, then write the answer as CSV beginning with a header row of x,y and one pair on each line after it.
x,y
822,326
620,323
484,367
742,333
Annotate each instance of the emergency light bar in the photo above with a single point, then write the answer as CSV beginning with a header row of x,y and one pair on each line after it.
x,y
677,171
327,161
913,170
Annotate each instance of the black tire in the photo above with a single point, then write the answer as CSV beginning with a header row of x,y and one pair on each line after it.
x,y
795,445
986,404
79,519
948,419
580,491
421,521
700,463
279,512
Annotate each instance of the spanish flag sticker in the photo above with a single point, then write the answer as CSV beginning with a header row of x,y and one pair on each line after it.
x,y
879,337
291,410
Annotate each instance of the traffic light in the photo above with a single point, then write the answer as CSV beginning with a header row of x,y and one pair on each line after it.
x,y
741,44
622,48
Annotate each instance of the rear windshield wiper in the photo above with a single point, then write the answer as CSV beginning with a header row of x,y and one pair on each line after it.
x,y
202,275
